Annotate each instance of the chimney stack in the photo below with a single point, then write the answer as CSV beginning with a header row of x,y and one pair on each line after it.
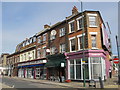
x,y
46,26
74,10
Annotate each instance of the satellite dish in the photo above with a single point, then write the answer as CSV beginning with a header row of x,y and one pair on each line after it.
x,y
53,32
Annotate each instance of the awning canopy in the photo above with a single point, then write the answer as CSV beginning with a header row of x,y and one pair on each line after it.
x,y
55,60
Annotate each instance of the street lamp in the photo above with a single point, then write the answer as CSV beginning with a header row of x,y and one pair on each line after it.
x,y
83,40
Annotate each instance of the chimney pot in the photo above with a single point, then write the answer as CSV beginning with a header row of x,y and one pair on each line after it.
x,y
46,26
74,10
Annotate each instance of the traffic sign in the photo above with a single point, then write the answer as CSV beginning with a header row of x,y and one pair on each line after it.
x,y
116,60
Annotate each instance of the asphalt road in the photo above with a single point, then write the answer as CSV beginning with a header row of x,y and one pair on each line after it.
x,y
12,82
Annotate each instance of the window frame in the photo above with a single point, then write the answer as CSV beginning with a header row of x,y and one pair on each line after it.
x,y
92,15
70,43
78,37
70,26
62,31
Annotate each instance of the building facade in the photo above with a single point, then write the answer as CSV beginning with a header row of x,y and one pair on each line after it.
x,y
72,48
3,64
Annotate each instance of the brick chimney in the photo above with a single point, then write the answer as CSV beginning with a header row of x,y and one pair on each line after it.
x,y
74,10
46,26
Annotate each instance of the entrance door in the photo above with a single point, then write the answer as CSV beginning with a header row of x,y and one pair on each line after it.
x,y
37,73
30,73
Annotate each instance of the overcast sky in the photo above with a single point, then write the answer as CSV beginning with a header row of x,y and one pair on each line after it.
x,y
22,20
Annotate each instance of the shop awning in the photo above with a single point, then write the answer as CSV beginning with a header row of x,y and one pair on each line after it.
x,y
55,60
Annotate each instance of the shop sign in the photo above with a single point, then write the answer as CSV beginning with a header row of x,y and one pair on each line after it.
x,y
83,62
62,64
32,62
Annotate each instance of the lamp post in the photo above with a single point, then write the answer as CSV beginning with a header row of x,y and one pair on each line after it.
x,y
83,40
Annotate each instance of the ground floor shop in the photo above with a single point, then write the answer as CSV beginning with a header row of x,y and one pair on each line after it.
x,y
93,65
56,67
33,69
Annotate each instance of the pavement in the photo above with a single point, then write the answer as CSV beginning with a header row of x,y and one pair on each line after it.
x,y
110,83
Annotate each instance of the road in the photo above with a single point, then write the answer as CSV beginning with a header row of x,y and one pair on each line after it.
x,y
17,83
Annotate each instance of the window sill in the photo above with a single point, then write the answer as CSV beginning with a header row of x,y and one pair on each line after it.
x,y
93,26
71,32
79,29
94,48
62,36
72,51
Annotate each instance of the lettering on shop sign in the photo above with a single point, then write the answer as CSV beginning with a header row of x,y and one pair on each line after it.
x,y
33,62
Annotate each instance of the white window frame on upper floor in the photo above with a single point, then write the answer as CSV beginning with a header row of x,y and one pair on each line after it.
x,y
78,36
92,15
62,31
70,26
70,43
61,47
78,28
44,37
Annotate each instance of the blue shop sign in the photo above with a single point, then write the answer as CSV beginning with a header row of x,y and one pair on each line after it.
x,y
31,65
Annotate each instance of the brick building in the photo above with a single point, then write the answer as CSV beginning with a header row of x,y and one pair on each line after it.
x,y
64,48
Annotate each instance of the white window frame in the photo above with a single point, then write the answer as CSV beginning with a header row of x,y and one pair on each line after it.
x,y
78,28
45,51
62,32
37,53
70,26
44,37
92,15
78,36
61,47
70,43
96,41
38,39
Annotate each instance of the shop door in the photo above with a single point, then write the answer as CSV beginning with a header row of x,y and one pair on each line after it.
x,y
37,73
30,73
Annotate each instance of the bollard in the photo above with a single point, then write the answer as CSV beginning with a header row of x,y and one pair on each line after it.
x,y
101,83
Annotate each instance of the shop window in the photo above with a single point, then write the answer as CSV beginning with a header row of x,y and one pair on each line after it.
x,y
76,69
72,45
93,38
96,67
62,32
62,48
72,71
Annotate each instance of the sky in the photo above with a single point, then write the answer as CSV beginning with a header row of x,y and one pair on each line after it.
x,y
21,20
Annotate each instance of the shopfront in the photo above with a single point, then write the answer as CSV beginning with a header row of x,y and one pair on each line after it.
x,y
56,66
32,69
93,64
